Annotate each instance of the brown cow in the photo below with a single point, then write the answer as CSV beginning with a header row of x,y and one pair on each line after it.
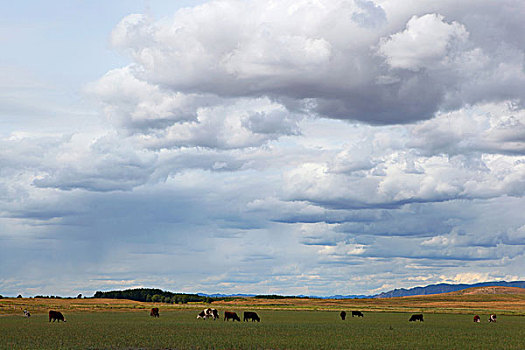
x,y
56,315
154,312
231,315
477,319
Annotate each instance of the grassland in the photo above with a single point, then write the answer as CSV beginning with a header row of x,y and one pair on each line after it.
x,y
179,329
286,324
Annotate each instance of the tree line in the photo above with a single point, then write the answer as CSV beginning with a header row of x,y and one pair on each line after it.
x,y
275,296
154,295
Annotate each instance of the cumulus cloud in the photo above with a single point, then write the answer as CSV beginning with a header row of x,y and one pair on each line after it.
x,y
467,154
161,118
137,105
487,128
442,179
377,63
425,43
244,123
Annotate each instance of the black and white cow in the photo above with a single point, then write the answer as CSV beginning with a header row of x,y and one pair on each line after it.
x,y
208,313
215,314
492,318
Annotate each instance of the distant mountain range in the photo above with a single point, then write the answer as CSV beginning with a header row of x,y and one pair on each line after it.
x,y
444,288
402,292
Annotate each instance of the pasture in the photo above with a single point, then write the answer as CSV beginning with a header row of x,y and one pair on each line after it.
x,y
278,329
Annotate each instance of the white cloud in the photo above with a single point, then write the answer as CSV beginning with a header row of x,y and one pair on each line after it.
x,y
243,123
425,43
469,277
319,57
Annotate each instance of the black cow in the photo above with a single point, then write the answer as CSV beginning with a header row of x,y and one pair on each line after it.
x,y
56,315
249,315
343,315
231,315
154,312
357,313
416,317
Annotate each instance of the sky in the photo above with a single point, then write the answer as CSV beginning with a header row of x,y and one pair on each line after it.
x,y
267,147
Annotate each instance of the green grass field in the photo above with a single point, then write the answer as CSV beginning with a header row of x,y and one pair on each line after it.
x,y
278,330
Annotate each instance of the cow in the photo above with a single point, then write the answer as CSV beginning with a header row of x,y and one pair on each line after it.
x,y
416,317
357,313
215,314
477,319
343,315
56,315
154,312
231,315
27,313
492,318
249,315
208,313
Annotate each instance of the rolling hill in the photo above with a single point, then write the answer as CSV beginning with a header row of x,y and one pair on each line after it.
x,y
445,288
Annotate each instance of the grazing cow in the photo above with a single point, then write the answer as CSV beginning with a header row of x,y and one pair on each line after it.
x,y
215,314
416,317
26,313
154,312
343,315
208,313
477,319
56,315
357,313
231,315
248,315
492,318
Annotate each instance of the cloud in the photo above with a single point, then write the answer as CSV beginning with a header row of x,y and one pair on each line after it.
x,y
136,105
467,154
425,43
160,118
470,277
384,63
487,128
242,124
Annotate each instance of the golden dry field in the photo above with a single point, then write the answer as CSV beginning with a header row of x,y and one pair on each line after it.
x,y
499,300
